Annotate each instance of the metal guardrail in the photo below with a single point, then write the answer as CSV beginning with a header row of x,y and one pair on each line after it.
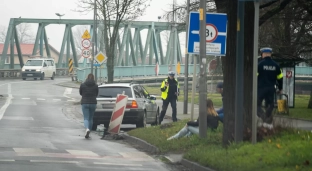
x,y
16,73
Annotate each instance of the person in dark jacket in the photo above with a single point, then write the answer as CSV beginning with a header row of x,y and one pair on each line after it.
x,y
169,94
192,127
269,73
89,91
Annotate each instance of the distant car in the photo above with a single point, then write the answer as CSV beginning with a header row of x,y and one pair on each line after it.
x,y
141,109
39,68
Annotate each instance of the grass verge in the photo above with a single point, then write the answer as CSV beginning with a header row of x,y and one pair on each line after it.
x,y
286,150
300,111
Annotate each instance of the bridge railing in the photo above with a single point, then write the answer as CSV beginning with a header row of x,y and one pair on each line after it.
x,y
129,71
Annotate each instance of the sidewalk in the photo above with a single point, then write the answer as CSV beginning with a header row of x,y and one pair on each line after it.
x,y
296,123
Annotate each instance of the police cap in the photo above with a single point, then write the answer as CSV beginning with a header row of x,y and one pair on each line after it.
x,y
266,50
171,73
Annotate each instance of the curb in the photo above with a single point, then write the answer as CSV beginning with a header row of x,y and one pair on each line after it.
x,y
154,150
195,166
288,117
143,144
64,85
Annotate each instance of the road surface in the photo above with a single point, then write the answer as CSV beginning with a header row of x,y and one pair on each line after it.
x,y
36,135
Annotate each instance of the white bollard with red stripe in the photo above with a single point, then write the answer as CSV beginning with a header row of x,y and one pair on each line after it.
x,y
118,114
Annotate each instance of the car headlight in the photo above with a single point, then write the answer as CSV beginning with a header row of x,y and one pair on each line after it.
x,y
37,69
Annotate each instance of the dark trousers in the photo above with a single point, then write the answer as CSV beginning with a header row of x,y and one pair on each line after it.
x,y
267,94
173,102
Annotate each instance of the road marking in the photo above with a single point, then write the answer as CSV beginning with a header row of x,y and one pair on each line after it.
x,y
7,160
56,99
25,98
72,100
117,164
67,91
28,150
40,99
7,102
82,152
54,161
18,118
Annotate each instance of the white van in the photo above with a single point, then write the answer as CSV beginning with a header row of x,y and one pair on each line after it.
x,y
39,68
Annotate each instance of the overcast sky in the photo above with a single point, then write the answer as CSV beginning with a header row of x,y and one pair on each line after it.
x,y
45,9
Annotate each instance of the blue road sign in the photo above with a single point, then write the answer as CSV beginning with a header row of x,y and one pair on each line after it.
x,y
97,64
216,28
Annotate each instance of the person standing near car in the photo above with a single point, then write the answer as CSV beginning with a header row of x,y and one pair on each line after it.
x,y
169,94
89,91
269,72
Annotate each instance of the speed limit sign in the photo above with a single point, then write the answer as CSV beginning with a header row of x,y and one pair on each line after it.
x,y
86,53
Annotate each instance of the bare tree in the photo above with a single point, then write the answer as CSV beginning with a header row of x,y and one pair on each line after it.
x,y
113,14
25,35
2,33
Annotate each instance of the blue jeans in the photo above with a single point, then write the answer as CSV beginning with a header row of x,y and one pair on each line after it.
x,y
88,113
221,117
186,131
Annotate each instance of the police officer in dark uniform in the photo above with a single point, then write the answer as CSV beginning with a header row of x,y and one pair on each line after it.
x,y
269,72
169,94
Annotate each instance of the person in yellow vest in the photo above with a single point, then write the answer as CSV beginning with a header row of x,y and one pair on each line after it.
x,y
169,94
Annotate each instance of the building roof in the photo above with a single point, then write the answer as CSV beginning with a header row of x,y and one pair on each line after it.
x,y
25,48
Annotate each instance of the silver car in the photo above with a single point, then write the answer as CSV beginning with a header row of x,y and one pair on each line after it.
x,y
141,108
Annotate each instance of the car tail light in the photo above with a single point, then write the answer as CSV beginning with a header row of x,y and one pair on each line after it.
x,y
133,104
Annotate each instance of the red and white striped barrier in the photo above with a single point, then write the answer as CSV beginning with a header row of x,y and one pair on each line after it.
x,y
118,114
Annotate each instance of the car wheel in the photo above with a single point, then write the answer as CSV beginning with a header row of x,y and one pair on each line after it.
x,y
24,78
42,76
53,76
156,119
142,122
94,126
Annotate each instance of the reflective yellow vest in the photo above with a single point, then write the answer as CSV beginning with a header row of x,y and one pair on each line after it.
x,y
164,94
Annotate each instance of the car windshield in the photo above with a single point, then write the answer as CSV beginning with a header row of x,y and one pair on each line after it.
x,y
34,63
111,92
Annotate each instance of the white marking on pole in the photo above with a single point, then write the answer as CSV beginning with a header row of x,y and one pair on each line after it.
x,y
117,164
54,161
7,102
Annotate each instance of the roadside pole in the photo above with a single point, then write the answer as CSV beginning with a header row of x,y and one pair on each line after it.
x,y
185,102
203,71
254,74
239,86
193,87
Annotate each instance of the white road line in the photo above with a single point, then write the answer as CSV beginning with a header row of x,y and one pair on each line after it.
x,y
56,99
25,98
117,164
54,161
7,160
40,99
67,91
7,102
72,100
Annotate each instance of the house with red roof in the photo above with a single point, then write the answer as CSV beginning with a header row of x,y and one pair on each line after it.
x,y
27,50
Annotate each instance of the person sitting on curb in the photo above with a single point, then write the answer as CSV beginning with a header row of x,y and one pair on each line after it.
x,y
220,111
192,127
